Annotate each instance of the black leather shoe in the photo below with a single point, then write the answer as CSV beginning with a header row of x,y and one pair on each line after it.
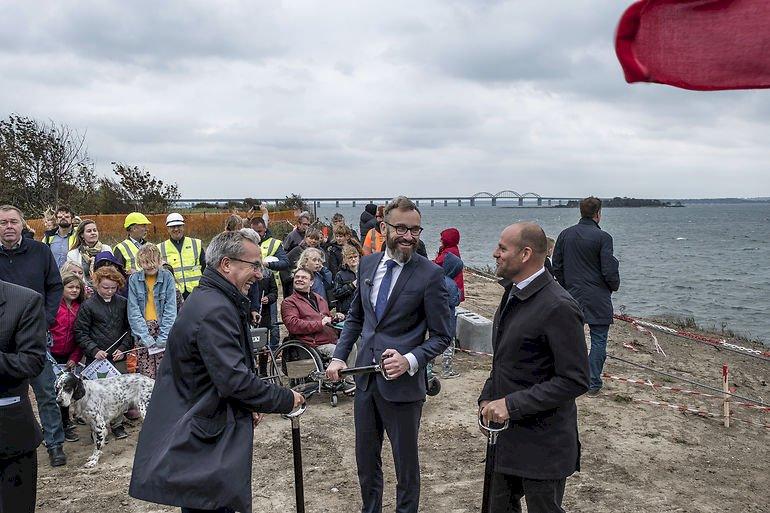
x,y
57,456
119,432
70,434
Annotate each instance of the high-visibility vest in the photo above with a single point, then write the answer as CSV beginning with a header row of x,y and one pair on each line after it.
x,y
270,248
373,241
72,239
129,251
187,268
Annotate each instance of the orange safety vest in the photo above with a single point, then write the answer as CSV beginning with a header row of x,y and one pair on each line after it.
x,y
373,242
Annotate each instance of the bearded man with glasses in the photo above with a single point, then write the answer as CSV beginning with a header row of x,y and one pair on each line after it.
x,y
401,297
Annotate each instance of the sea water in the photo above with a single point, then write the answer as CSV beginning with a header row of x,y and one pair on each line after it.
x,y
706,261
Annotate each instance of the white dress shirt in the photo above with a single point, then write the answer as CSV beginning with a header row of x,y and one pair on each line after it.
x,y
526,281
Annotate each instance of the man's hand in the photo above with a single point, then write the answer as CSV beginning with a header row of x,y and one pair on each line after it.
x,y
394,363
495,411
299,399
326,320
71,364
100,355
334,368
265,300
117,355
256,418
255,317
339,317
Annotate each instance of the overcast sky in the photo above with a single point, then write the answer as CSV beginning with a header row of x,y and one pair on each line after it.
x,y
234,99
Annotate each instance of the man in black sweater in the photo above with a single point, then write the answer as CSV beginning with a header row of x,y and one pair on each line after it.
x,y
30,263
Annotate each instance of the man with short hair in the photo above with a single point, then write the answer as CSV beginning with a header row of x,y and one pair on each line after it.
x,y
126,251
313,238
275,259
196,443
539,367
401,297
338,220
22,357
297,235
30,264
185,255
62,238
584,265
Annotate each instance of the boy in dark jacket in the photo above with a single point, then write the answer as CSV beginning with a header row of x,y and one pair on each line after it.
x,y
346,280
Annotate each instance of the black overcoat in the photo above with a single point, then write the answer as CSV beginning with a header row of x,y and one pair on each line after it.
x,y
583,264
540,366
195,447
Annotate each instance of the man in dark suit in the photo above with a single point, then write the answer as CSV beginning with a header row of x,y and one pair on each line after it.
x,y
22,356
584,265
401,296
539,367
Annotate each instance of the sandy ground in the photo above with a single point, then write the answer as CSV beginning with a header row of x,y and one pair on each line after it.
x,y
636,457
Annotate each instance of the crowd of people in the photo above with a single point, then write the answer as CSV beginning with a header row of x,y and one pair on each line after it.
x,y
119,304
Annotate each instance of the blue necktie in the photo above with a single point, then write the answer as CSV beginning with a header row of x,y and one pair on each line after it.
x,y
382,294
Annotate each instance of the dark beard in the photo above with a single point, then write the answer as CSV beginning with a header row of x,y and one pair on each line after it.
x,y
64,224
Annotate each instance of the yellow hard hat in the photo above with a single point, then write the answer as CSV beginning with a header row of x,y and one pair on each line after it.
x,y
135,218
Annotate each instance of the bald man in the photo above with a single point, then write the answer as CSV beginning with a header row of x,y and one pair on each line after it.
x,y
540,366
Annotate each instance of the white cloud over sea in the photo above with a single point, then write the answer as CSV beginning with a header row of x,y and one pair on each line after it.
x,y
232,98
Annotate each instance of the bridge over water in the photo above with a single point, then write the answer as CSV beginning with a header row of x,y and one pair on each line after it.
x,y
503,198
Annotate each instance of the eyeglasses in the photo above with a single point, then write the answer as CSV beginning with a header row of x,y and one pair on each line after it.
x,y
257,266
402,229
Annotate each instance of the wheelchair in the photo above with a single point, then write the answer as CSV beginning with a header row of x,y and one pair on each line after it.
x,y
297,365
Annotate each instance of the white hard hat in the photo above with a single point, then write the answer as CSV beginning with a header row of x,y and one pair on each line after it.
x,y
174,219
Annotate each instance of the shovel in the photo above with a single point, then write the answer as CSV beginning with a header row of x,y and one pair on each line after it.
x,y
296,449
491,430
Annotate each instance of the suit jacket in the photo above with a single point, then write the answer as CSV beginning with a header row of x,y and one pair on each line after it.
x,y
583,264
22,356
540,365
303,322
418,303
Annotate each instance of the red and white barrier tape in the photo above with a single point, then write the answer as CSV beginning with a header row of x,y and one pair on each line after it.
x,y
655,386
642,329
696,411
694,336
477,353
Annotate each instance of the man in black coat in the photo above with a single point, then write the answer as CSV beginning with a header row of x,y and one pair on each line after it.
x,y
30,263
583,264
539,367
196,443
22,356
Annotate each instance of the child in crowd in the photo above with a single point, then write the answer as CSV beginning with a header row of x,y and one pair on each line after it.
x,y
452,266
312,260
342,236
101,327
73,268
151,308
64,349
450,238
346,280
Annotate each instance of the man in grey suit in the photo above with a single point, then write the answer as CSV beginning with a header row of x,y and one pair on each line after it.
x,y
401,296
22,355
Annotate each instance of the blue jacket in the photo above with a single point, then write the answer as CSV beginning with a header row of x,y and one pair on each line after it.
x,y
323,284
584,265
164,293
417,305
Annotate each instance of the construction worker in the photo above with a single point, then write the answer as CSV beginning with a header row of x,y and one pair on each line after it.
x,y
374,241
185,254
125,252
274,258
62,237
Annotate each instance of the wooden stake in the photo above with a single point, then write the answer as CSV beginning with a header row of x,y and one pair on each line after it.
x,y
726,390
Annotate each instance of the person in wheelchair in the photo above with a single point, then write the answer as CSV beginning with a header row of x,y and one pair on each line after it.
x,y
307,317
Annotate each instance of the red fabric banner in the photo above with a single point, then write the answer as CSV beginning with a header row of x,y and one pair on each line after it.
x,y
704,45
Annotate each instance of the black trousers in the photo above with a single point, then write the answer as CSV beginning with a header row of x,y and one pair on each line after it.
x,y
542,495
18,483
219,510
373,415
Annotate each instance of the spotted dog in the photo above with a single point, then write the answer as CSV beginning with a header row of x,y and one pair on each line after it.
x,y
98,402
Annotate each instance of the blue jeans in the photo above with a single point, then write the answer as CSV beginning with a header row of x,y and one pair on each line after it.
x,y
50,415
275,330
598,353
